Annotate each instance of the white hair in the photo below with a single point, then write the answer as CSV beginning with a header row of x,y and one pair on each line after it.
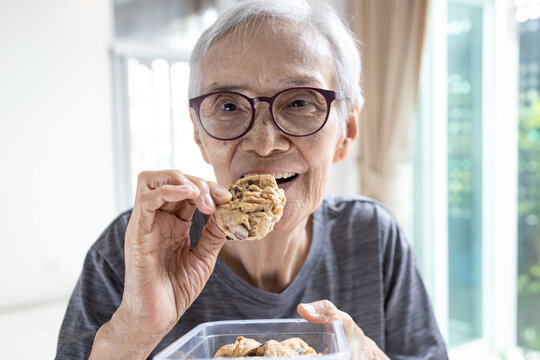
x,y
312,15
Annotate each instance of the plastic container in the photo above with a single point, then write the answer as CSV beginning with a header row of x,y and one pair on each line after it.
x,y
204,340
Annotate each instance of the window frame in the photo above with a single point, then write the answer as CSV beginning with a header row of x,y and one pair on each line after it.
x,y
121,52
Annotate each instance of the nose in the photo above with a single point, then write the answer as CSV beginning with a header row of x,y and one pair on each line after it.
x,y
264,138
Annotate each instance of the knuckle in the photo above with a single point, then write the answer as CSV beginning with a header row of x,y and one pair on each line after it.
x,y
328,307
330,311
142,176
213,230
347,316
201,183
175,175
178,174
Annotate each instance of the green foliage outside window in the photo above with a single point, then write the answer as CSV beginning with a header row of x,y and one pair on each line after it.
x,y
528,282
529,224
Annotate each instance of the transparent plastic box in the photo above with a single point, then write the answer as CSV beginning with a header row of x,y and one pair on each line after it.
x,y
204,340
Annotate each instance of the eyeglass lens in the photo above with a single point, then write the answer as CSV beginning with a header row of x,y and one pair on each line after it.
x,y
297,111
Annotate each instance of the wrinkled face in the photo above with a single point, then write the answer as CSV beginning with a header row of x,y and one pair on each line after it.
x,y
260,61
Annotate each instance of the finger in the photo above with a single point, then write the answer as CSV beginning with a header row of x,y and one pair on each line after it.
x,y
155,199
205,203
324,312
185,210
219,193
150,180
147,203
210,243
318,312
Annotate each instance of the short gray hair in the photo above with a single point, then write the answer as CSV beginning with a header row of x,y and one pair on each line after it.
x,y
313,15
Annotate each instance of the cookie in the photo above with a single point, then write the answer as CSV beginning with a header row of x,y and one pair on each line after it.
x,y
225,351
246,347
280,350
299,346
239,348
261,350
256,205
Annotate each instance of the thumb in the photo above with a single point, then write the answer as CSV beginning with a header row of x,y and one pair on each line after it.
x,y
211,241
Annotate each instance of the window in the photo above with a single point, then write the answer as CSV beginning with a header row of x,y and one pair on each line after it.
x,y
466,179
464,162
161,133
152,45
528,327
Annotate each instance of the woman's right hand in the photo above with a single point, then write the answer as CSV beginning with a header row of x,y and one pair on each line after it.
x,y
163,275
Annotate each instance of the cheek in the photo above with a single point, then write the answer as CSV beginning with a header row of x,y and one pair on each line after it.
x,y
219,155
310,195
319,178
323,151
320,154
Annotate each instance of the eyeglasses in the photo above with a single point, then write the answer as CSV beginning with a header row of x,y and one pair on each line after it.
x,y
299,111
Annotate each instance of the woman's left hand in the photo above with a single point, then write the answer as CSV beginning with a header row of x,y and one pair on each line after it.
x,y
324,312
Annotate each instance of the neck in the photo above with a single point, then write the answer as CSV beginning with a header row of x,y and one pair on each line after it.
x,y
270,264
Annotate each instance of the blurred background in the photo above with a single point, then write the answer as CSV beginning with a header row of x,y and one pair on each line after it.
x,y
93,92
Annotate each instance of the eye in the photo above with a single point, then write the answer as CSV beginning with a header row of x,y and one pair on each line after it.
x,y
298,103
229,107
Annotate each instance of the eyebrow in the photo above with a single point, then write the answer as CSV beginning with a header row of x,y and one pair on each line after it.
x,y
305,81
308,80
220,88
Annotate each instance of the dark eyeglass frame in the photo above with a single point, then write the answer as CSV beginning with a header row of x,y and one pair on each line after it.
x,y
329,96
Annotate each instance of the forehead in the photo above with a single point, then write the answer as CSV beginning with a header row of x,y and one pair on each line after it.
x,y
267,55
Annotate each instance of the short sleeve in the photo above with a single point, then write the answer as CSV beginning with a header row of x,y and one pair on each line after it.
x,y
96,297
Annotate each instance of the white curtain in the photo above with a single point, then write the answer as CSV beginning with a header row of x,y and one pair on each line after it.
x,y
391,33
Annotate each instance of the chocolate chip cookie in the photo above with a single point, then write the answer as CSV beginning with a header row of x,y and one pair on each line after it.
x,y
239,348
256,205
246,347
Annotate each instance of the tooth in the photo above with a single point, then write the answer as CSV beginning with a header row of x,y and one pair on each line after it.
x,y
280,175
283,175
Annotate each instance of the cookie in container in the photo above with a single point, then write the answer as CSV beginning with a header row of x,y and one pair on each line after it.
x,y
203,341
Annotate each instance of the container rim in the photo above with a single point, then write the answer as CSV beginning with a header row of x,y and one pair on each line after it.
x,y
339,333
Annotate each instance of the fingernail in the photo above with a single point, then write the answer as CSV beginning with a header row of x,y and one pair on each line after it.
x,y
222,193
208,201
310,309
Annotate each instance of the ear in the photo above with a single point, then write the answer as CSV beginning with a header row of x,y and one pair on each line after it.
x,y
351,133
197,135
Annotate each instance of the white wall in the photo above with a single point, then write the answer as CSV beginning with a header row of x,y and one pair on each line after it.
x,y
56,167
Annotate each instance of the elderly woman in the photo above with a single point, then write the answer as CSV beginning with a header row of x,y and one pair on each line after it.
x,y
274,87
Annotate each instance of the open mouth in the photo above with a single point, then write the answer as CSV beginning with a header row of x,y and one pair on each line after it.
x,y
285,177
281,178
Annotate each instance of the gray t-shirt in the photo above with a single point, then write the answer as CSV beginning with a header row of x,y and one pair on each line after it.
x,y
359,259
